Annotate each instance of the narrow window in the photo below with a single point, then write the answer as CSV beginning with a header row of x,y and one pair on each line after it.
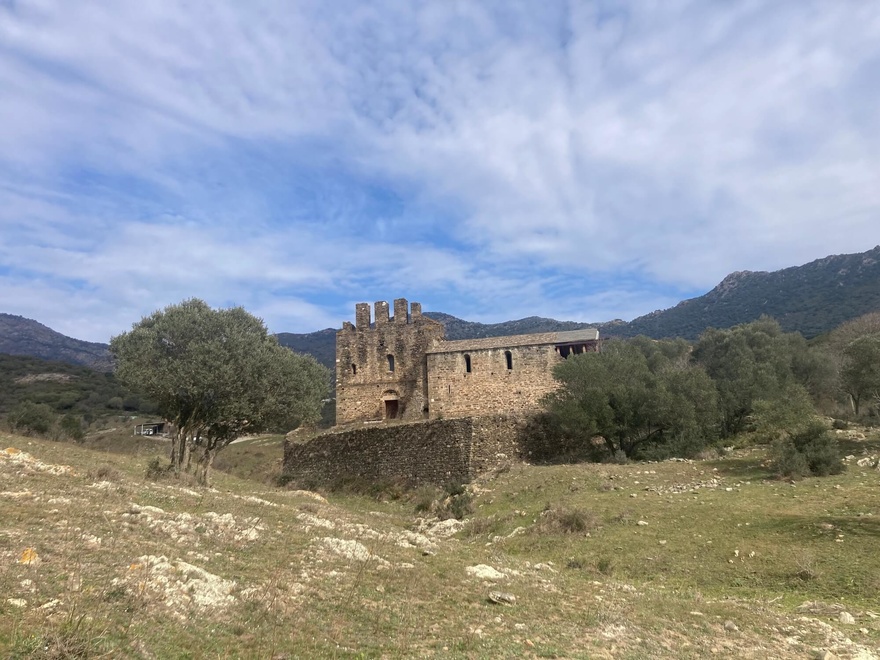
x,y
508,356
390,363
467,363
354,368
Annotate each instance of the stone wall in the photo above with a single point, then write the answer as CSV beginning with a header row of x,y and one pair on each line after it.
x,y
490,386
368,385
435,451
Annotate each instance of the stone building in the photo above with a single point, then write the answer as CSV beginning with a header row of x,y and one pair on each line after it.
x,y
402,368
381,368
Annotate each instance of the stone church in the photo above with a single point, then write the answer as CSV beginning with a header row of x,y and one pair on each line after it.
x,y
401,367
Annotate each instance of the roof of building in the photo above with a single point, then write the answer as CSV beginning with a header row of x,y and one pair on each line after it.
x,y
512,341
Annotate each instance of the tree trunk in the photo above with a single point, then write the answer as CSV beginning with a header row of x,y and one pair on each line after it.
x,y
191,443
177,444
203,468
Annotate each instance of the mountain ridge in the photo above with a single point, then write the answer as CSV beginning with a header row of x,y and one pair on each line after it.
x,y
811,299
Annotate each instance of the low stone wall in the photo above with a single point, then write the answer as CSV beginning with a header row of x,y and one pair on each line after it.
x,y
435,451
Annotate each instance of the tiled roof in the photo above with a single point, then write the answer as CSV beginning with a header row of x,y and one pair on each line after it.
x,y
512,341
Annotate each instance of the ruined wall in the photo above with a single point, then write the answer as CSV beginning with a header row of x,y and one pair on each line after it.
x,y
490,386
435,451
367,387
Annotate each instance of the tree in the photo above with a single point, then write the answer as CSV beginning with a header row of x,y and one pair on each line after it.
x,y
71,426
217,375
31,418
750,363
641,398
860,373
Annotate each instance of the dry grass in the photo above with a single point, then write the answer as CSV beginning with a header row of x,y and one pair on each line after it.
x,y
97,561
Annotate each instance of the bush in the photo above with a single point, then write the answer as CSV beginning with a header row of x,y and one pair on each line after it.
x,y
460,505
560,520
156,469
788,461
425,497
839,425
811,451
30,418
71,426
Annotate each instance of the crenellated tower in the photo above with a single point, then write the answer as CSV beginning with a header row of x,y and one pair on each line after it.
x,y
381,367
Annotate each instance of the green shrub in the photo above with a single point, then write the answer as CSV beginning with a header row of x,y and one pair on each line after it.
x,y
30,418
788,461
156,469
425,498
460,505
811,451
71,426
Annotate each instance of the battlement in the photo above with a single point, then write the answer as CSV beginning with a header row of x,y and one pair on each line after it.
x,y
404,312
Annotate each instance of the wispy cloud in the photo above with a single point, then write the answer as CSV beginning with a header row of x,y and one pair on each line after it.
x,y
493,160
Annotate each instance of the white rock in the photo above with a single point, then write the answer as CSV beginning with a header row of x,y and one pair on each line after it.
x,y
847,618
484,572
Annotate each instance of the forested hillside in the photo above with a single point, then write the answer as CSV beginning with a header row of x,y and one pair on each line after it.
x,y
21,336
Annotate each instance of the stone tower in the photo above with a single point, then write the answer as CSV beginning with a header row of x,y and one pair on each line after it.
x,y
381,369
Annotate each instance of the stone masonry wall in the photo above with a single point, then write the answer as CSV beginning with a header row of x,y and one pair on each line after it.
x,y
422,452
490,386
435,451
365,381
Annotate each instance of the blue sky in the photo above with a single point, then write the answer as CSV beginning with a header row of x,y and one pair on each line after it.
x,y
492,160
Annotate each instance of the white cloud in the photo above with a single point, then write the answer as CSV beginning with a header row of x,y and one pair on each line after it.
x,y
578,161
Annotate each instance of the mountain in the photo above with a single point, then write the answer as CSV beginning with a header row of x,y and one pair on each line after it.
x,y
21,336
320,344
811,299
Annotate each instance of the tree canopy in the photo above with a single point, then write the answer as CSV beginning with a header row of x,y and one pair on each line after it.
x,y
640,398
217,375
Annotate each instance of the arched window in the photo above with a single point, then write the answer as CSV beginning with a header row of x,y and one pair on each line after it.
x,y
508,357
390,363
354,368
467,363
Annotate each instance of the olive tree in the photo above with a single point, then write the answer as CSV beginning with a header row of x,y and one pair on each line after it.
x,y
217,375
860,373
640,398
751,363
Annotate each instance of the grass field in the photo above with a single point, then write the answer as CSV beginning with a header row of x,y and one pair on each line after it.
x,y
674,559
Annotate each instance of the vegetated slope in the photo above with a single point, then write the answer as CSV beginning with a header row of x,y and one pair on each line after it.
x,y
810,299
64,387
21,336
321,344
459,329
709,558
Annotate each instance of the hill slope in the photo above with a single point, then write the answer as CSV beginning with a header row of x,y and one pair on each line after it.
x,y
809,299
21,336
711,559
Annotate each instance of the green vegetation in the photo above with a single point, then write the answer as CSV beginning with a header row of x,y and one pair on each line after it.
x,y
634,398
683,559
648,399
65,388
217,375
860,373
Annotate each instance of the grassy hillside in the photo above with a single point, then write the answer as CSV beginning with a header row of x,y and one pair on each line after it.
x,y
63,386
662,560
